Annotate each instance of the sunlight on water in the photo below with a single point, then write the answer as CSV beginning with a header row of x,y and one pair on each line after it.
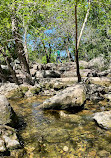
x,y
47,134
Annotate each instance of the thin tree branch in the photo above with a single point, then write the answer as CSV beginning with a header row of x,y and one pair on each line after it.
x,y
85,20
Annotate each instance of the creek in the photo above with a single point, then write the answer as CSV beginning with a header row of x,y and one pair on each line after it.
x,y
46,134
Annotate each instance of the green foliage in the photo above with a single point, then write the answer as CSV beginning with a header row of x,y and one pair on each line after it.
x,y
44,61
52,59
58,18
81,67
24,89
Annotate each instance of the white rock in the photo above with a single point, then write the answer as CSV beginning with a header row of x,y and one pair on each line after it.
x,y
103,119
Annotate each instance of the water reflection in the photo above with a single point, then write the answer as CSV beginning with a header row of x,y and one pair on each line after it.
x,y
50,135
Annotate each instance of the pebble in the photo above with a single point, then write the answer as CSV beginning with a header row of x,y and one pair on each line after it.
x,y
65,148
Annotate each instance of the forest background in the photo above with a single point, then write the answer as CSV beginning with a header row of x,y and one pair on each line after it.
x,y
33,30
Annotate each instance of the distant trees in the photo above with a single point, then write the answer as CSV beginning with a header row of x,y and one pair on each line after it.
x,y
32,29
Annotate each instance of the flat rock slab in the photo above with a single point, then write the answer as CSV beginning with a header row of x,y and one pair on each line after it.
x,y
103,119
103,81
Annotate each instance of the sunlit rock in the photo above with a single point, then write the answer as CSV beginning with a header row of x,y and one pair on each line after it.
x,y
98,63
103,119
70,97
8,138
2,146
104,81
7,115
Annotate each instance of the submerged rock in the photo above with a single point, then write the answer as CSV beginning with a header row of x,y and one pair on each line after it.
x,y
55,135
70,97
70,117
103,119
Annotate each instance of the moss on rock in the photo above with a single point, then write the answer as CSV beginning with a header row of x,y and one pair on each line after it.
x,y
35,90
18,93
24,89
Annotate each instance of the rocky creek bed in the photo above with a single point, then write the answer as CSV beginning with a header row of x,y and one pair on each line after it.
x,y
57,133
57,117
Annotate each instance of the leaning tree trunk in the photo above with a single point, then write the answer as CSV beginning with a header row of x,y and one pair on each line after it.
x,y
2,76
10,67
25,45
85,20
20,48
76,50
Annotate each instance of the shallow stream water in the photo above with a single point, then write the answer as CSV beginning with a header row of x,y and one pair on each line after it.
x,y
46,134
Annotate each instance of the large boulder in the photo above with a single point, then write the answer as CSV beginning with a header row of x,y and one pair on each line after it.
x,y
7,115
98,63
103,81
47,74
104,73
103,119
70,97
95,92
51,74
83,72
7,87
83,64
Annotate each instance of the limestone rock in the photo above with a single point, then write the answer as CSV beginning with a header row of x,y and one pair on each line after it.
x,y
108,96
83,64
39,74
95,92
70,117
8,138
7,115
11,143
98,63
103,119
104,73
51,74
2,146
7,87
104,81
70,97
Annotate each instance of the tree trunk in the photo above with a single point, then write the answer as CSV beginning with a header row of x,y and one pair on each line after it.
x,y
85,20
50,53
20,48
47,57
10,67
25,45
76,49
67,51
2,76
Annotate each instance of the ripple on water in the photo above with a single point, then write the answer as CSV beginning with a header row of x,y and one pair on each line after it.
x,y
48,135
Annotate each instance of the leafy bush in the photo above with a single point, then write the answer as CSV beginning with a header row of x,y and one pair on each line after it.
x,y
44,61
52,60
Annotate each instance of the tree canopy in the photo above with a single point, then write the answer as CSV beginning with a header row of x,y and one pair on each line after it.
x,y
32,29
